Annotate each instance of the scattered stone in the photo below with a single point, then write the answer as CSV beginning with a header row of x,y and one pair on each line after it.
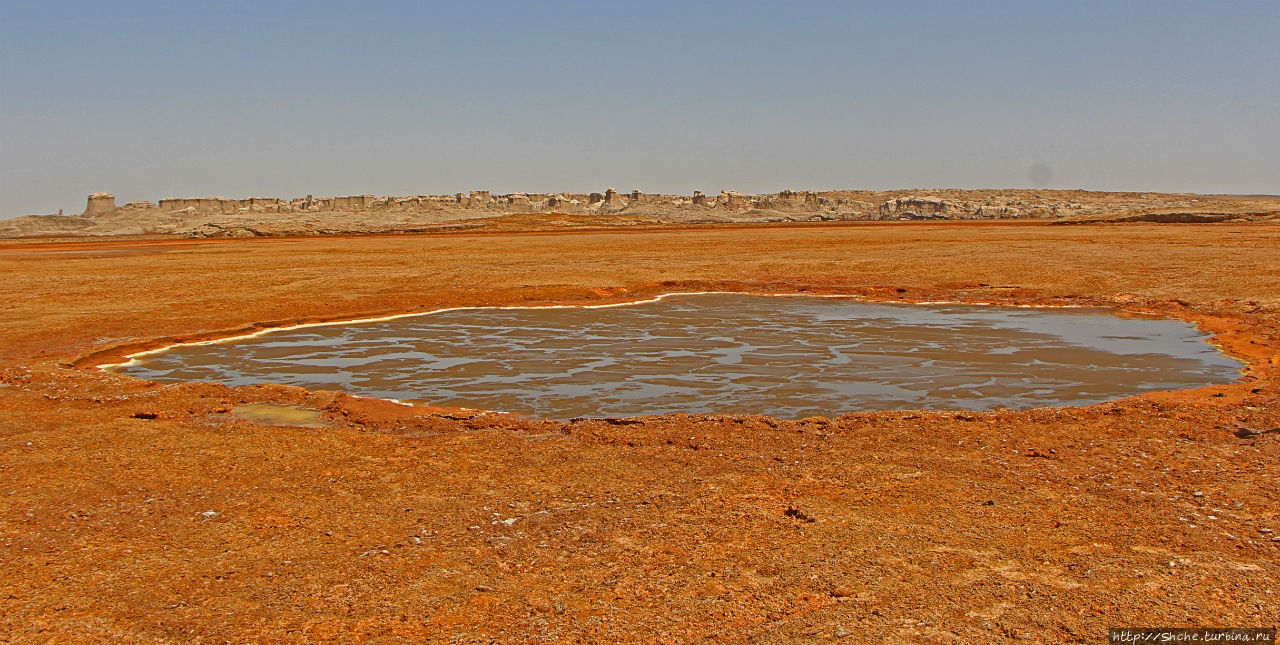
x,y
617,421
1245,433
798,514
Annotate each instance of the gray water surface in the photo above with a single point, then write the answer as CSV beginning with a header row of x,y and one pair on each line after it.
x,y
785,356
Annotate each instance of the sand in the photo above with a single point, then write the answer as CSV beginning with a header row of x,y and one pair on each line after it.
x,y
138,512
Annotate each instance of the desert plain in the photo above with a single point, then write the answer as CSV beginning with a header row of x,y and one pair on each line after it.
x,y
137,512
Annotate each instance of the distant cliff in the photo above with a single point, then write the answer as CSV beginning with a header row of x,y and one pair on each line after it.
x,y
270,216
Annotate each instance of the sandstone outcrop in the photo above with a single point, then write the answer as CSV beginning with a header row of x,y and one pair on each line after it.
x,y
917,208
100,203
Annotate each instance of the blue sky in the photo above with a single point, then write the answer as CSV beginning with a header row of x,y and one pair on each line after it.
x,y
150,100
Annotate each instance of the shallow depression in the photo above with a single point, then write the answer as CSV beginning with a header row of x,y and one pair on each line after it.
x,y
786,356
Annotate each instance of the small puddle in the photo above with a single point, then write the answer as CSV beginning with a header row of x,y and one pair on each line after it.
x,y
785,356
280,415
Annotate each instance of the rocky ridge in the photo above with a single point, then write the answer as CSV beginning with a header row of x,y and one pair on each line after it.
x,y
200,217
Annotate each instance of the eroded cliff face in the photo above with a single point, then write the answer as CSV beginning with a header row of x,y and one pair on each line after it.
x,y
310,215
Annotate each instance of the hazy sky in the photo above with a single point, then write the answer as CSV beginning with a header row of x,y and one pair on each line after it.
x,y
282,99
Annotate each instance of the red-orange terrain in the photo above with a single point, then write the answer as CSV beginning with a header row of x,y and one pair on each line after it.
x,y
137,512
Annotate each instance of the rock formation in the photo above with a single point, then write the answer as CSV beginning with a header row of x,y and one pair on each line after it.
x,y
100,203
311,215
